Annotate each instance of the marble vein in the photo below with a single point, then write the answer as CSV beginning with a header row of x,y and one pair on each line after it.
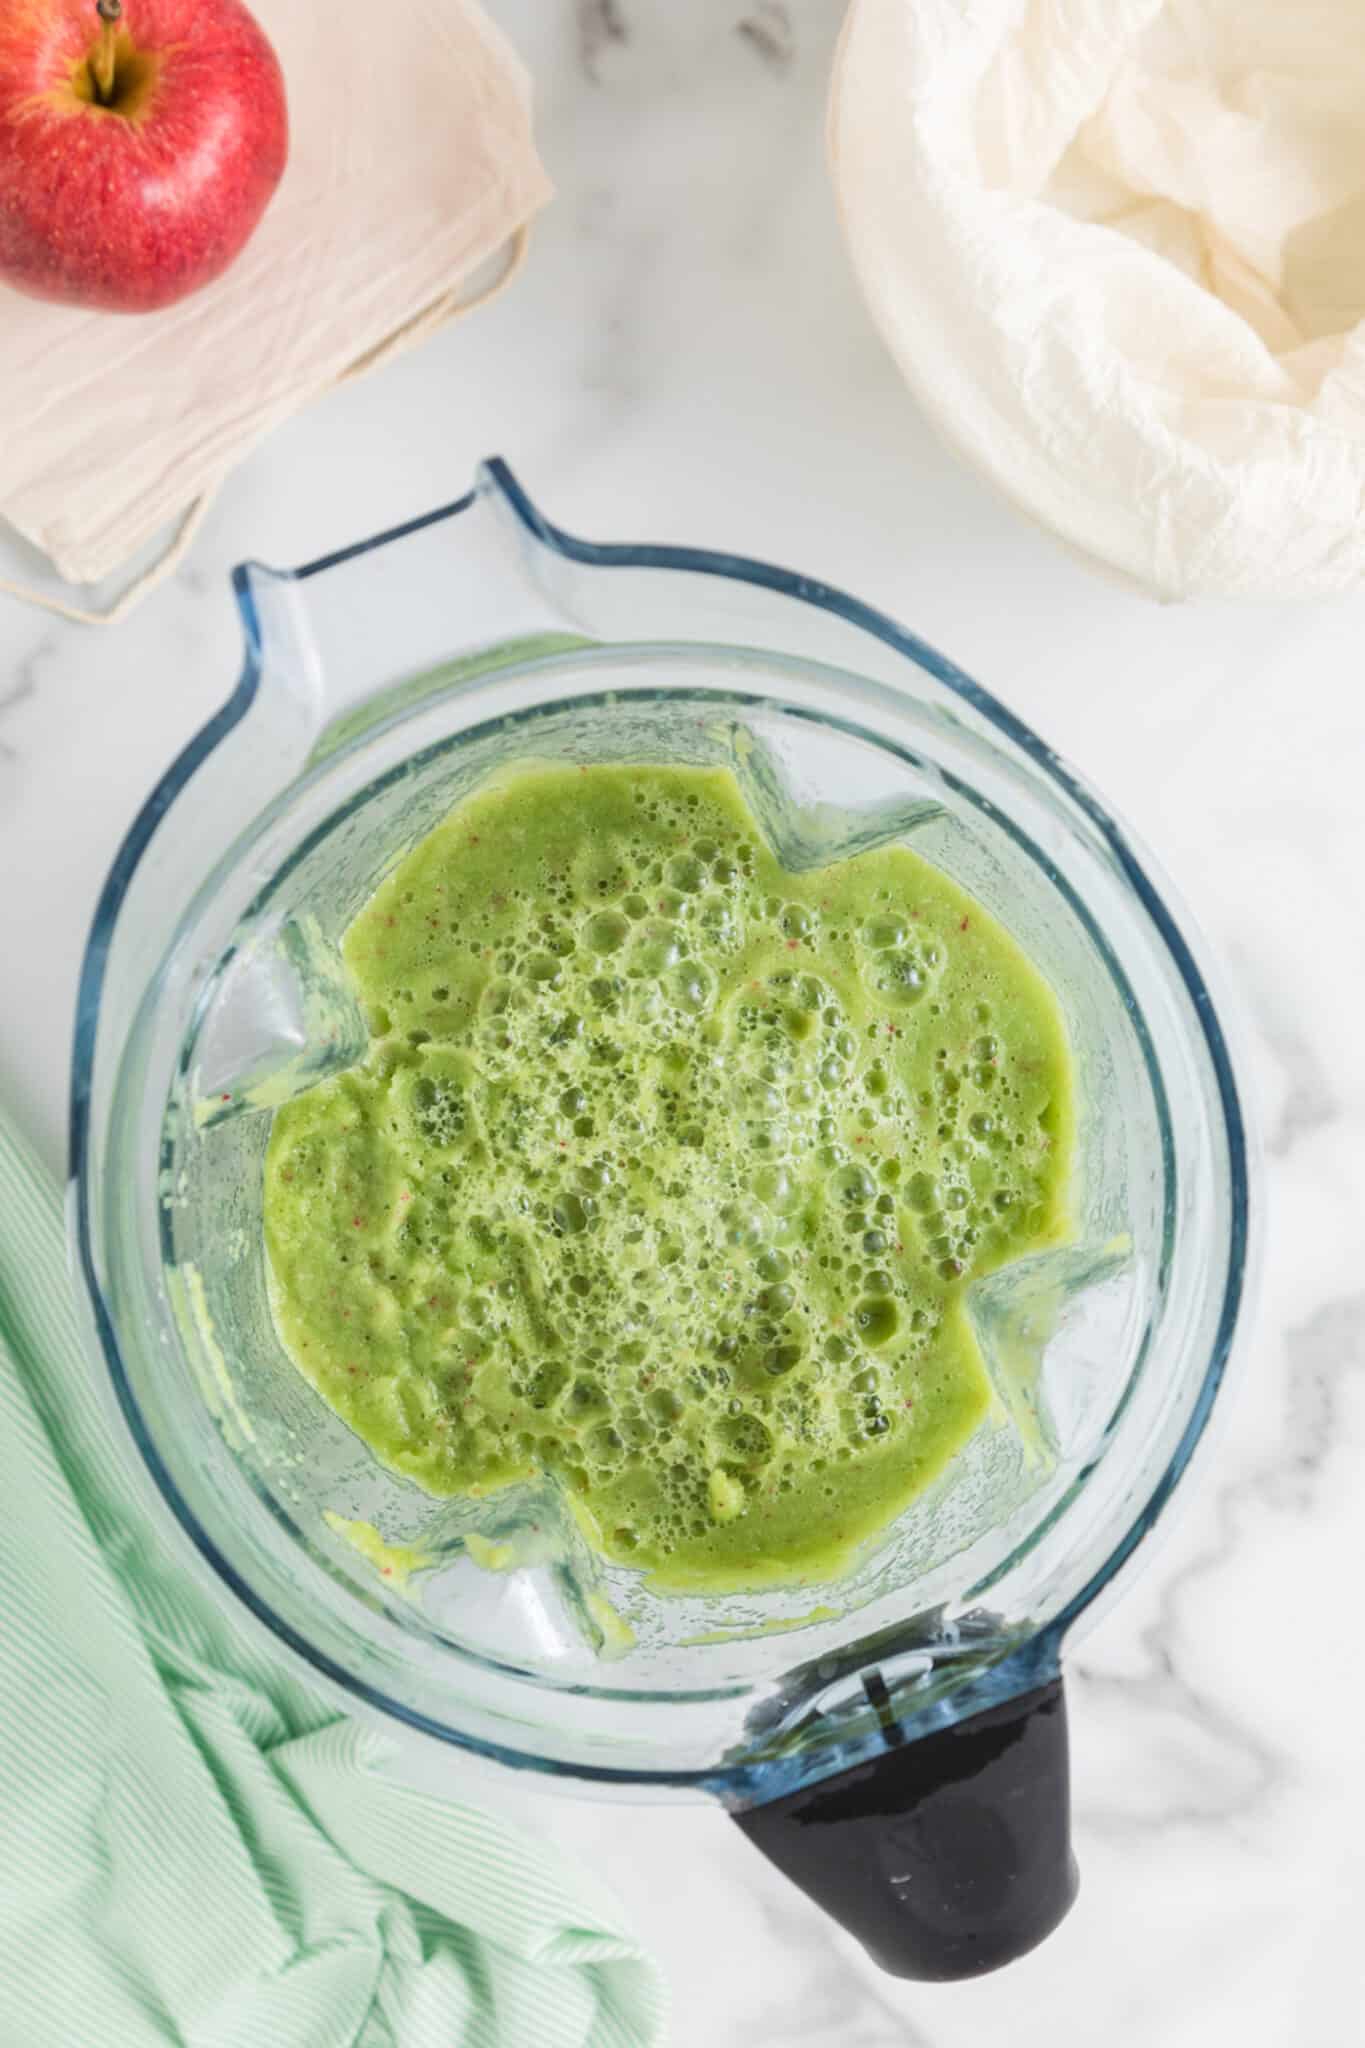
x,y
8,699
835,1998
1220,1769
1321,1353
601,24
26,673
769,33
1240,1769
1310,1101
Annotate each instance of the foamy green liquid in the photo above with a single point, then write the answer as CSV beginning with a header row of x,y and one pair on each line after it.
x,y
667,1172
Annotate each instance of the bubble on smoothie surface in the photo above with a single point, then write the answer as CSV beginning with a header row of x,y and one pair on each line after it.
x,y
666,1171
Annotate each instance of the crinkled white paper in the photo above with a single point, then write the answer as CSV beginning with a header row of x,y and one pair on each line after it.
x,y
1118,250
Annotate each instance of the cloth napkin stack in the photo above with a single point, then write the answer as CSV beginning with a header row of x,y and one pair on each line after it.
x,y
411,164
196,1853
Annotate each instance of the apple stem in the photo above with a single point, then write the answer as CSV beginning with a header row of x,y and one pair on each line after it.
x,y
103,62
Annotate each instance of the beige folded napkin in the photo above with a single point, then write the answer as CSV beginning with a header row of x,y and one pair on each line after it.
x,y
411,165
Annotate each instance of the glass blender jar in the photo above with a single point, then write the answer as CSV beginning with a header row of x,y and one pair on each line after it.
x,y
896,1741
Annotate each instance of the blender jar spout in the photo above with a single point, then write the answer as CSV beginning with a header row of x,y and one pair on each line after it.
x,y
370,631
333,649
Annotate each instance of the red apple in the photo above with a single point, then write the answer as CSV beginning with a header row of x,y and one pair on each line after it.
x,y
139,143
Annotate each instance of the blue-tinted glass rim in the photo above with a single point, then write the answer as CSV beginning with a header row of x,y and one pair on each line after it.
x,y
805,590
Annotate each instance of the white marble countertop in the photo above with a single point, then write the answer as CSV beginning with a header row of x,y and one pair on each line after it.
x,y
686,359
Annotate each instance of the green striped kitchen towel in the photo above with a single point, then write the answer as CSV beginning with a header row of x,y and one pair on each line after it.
x,y
193,1850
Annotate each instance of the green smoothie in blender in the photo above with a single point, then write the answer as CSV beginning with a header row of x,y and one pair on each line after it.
x,y
667,1172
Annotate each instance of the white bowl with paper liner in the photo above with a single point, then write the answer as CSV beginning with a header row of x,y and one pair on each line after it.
x,y
1118,252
